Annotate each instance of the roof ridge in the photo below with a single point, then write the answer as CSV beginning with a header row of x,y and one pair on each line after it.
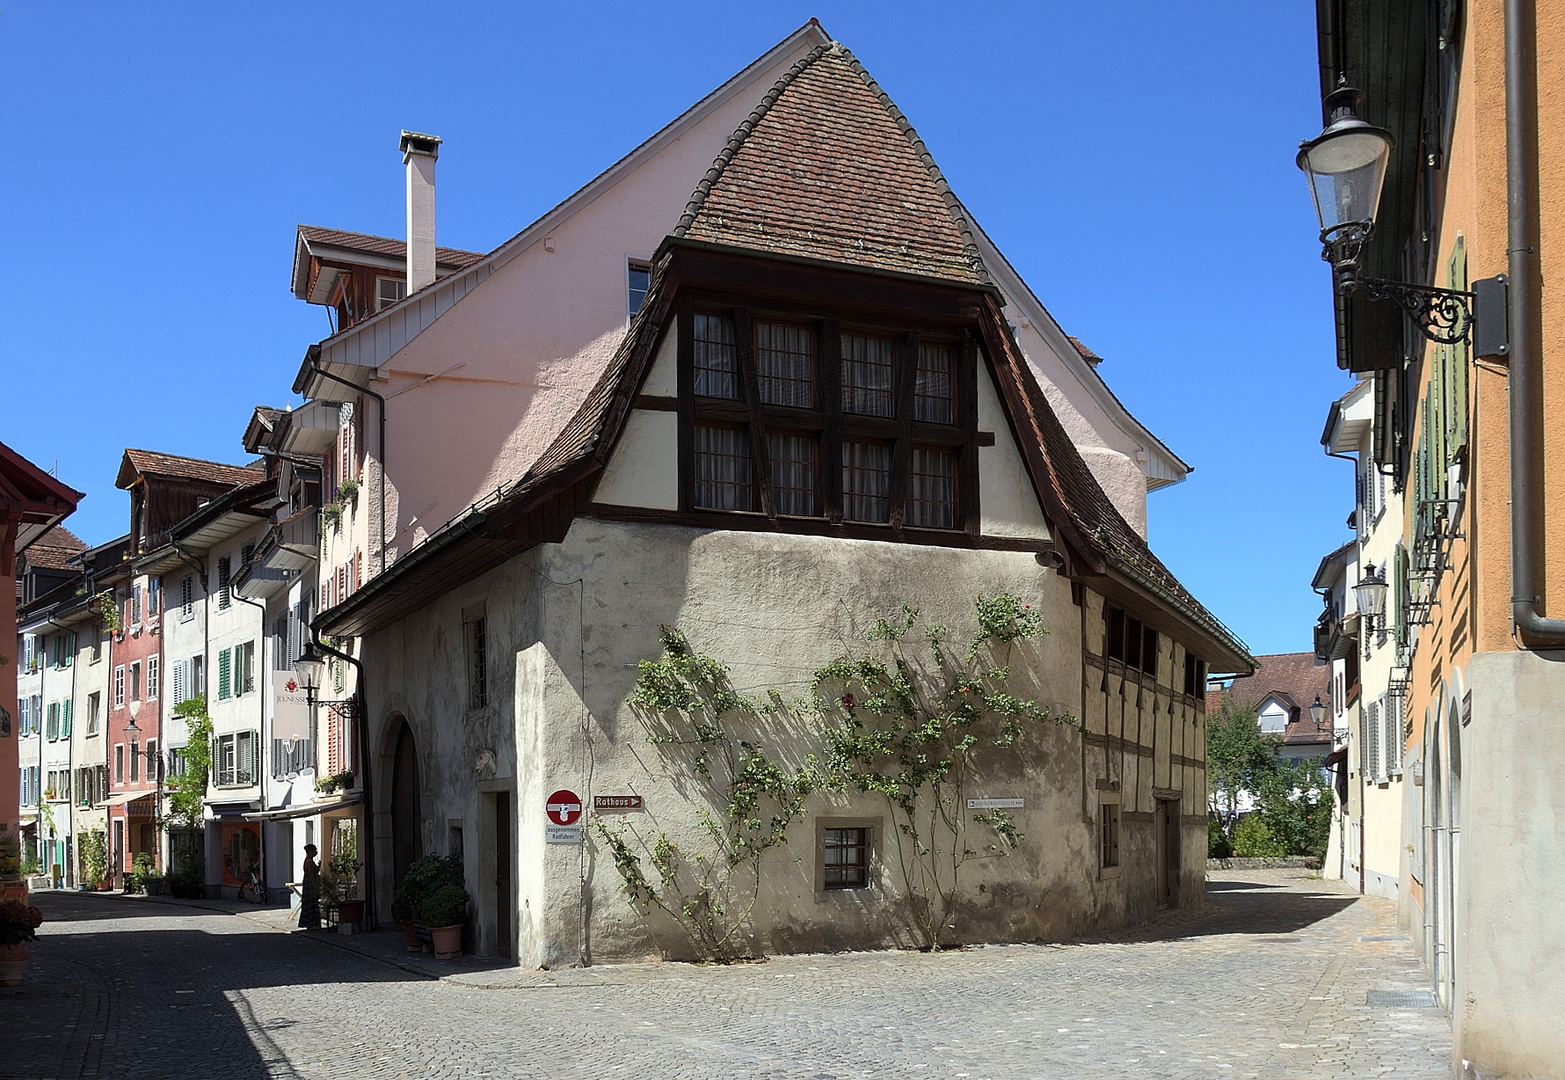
x,y
742,132
954,205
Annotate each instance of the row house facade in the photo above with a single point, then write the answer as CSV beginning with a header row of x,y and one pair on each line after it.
x,y
1460,430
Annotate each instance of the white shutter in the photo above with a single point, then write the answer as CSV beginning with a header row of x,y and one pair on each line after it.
x,y
1372,742
181,676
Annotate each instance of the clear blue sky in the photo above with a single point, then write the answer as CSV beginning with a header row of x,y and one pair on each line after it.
x,y
1134,161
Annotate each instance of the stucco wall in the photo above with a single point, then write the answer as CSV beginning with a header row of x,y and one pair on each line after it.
x,y
1510,946
567,624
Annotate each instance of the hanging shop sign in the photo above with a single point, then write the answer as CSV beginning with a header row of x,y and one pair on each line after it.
x,y
290,707
563,810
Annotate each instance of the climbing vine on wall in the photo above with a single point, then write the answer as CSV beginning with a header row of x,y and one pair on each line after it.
x,y
710,887
908,729
903,721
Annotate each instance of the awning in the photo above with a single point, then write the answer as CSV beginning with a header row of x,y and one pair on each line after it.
x,y
120,798
307,810
1335,756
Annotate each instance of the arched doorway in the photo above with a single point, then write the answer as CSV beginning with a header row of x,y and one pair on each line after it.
x,y
405,815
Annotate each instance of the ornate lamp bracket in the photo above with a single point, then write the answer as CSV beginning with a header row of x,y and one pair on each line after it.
x,y
1444,316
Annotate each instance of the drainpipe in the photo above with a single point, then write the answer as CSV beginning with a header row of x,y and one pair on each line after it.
x,y
315,366
1521,259
361,718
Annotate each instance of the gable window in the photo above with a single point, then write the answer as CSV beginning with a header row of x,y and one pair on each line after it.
x,y
785,364
716,357
811,419
388,291
866,482
722,468
638,276
868,365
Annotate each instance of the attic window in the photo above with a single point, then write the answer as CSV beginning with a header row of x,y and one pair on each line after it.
x,y
388,291
792,418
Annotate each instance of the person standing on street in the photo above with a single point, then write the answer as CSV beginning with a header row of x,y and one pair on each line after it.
x,y
310,901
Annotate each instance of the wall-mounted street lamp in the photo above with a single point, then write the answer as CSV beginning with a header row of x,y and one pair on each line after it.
x,y
1317,711
1371,592
311,668
1346,165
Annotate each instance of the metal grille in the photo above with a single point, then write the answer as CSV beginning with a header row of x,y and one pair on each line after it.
x,y
932,388
867,366
785,364
866,481
931,489
722,464
847,858
716,359
793,474
1402,999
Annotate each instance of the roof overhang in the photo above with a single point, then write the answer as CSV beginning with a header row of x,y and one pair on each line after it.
x,y
330,367
312,428
1348,420
37,500
289,813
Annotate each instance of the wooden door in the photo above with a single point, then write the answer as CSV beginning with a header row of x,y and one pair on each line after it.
x,y
1165,827
406,820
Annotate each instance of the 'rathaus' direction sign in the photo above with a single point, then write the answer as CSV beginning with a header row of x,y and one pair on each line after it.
x,y
996,804
564,812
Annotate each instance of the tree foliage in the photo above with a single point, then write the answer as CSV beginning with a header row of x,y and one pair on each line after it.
x,y
186,809
1292,801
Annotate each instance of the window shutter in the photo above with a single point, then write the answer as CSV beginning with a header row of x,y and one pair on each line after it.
x,y
180,667
65,719
224,663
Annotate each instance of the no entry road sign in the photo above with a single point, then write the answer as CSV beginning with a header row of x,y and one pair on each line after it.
x,y
563,807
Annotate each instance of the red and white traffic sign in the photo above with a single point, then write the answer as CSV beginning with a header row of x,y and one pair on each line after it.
x,y
563,807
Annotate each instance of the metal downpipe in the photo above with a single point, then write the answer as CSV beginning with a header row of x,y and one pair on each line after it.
x,y
1521,261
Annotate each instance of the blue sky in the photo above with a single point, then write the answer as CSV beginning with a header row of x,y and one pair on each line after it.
x,y
1134,161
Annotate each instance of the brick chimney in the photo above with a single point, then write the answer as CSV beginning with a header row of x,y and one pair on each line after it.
x,y
418,154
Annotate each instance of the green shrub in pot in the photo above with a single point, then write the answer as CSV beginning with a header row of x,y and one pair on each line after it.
x,y
446,906
425,875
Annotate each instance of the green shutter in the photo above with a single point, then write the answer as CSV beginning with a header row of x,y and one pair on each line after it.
x,y
1456,272
1399,594
224,665
65,720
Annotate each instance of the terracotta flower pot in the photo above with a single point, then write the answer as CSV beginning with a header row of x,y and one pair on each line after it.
x,y
410,936
447,941
13,961
350,911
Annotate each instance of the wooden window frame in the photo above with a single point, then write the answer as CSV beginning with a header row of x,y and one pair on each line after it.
x,y
827,422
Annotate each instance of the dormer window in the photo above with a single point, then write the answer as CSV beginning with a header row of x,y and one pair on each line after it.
x,y
388,291
810,418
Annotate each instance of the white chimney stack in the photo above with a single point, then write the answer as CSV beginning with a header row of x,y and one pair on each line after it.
x,y
418,154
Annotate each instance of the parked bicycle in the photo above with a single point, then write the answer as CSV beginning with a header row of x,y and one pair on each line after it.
x,y
253,890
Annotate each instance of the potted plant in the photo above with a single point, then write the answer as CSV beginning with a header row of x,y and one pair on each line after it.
x,y
19,923
424,876
445,911
340,884
94,859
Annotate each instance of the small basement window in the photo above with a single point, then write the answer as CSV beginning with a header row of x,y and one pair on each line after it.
x,y
846,858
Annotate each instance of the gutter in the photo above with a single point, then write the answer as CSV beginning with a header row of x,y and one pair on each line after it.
x,y
1521,259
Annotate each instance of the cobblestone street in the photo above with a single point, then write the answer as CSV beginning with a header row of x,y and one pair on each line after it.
x,y
1272,979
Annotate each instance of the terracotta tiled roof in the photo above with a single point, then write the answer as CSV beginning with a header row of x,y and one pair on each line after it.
x,y
185,468
449,258
53,550
826,167
1086,354
1295,680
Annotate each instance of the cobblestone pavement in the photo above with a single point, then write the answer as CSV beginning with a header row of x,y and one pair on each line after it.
x,y
1270,980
